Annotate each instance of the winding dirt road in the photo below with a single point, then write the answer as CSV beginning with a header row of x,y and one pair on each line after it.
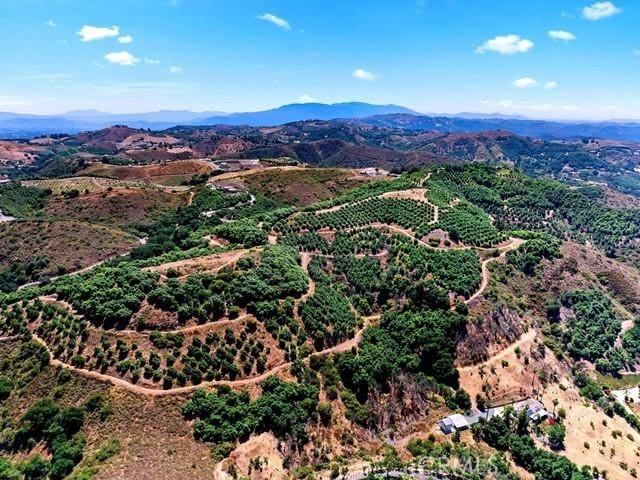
x,y
525,338
515,243
512,244
152,392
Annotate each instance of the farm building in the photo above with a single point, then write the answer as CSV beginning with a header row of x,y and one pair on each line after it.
x,y
457,422
237,165
454,423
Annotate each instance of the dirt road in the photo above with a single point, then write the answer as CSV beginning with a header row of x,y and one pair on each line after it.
x,y
119,382
527,337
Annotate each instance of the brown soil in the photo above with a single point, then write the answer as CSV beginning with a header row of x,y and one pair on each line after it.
x,y
156,173
302,187
210,263
18,154
69,245
121,206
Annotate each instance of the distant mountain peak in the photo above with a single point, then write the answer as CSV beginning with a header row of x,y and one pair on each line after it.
x,y
294,112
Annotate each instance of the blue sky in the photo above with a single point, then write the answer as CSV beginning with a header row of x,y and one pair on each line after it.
x,y
241,55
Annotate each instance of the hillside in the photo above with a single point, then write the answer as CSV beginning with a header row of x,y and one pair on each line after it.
x,y
351,143
288,320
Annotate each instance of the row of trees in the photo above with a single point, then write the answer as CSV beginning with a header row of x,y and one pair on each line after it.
x,y
327,317
518,201
407,213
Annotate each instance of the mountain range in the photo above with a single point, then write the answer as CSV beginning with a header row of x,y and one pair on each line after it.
x,y
13,125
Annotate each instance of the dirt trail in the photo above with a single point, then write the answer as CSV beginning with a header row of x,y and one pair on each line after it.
x,y
419,195
128,333
226,259
77,272
510,244
10,338
525,338
205,327
305,258
515,243
253,171
416,194
118,382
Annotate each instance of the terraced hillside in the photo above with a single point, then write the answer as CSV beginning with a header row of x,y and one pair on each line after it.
x,y
311,335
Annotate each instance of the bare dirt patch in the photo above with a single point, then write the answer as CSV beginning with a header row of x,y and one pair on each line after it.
x,y
210,263
18,154
512,373
264,447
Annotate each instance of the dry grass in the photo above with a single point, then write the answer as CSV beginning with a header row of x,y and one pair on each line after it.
x,y
156,441
509,376
69,245
118,207
171,173
208,264
588,425
302,187
17,153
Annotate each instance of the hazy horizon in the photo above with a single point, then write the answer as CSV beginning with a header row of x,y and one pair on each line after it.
x,y
215,112
541,60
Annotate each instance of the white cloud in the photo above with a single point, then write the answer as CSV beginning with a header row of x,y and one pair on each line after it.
x,y
123,58
151,61
525,82
561,35
506,45
637,52
51,23
361,74
124,39
89,33
175,69
306,98
552,85
509,104
600,10
278,21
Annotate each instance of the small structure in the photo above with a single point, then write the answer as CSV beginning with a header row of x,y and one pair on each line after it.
x,y
235,165
227,187
535,413
454,423
369,172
